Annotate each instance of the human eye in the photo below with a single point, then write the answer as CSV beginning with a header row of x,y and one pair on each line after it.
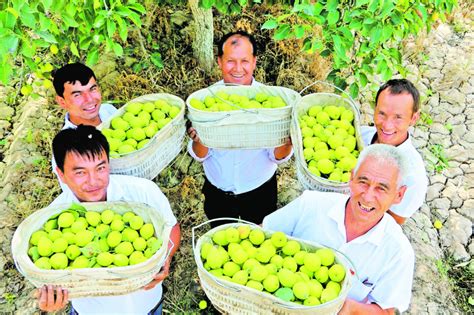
x,y
80,173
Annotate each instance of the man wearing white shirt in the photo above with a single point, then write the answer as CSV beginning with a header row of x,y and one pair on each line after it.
x,y
358,226
239,183
397,107
83,165
78,93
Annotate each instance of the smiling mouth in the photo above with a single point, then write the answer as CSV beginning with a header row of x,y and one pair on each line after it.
x,y
91,108
238,76
365,208
388,133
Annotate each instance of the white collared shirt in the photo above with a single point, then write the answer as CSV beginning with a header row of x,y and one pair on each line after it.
x,y
416,180
383,257
125,188
106,110
239,171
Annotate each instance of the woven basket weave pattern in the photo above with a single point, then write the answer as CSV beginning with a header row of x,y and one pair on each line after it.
x,y
232,298
307,179
91,281
165,145
243,129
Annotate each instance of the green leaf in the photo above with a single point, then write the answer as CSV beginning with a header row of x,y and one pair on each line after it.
x,y
282,32
299,31
423,11
386,9
316,45
122,28
374,5
362,78
355,25
333,17
331,5
12,12
354,90
386,33
118,50
269,25
110,27
9,43
6,71
73,49
360,3
135,18
92,57
339,47
47,37
317,9
156,60
85,42
242,3
206,4
27,48
46,4
137,7
234,8
27,17
375,36
68,20
99,21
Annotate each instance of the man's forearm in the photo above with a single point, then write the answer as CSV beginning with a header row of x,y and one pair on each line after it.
x,y
283,151
200,150
356,308
175,238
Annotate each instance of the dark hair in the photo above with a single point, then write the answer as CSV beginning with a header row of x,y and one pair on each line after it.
x,y
220,45
83,140
71,73
399,86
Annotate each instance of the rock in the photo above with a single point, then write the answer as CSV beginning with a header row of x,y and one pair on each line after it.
x,y
457,153
441,207
459,130
457,229
437,138
6,112
459,252
434,191
467,209
437,178
439,128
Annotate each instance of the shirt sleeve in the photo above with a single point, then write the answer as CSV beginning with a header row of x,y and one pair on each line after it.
x,y
393,289
271,156
286,218
194,156
157,200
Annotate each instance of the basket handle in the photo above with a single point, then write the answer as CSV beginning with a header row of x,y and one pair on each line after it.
x,y
335,87
193,238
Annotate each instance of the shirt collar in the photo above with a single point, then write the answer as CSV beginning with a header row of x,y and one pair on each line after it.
x,y
374,235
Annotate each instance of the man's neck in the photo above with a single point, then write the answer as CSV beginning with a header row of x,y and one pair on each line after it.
x,y
89,122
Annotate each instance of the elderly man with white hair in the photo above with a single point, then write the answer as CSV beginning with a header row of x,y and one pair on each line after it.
x,y
358,226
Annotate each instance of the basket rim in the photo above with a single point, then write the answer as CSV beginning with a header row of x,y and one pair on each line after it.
x,y
349,267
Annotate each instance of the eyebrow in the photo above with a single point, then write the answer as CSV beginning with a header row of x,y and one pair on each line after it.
x,y
81,168
385,185
77,91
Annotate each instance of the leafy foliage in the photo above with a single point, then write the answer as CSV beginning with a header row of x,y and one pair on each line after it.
x,y
362,36
81,29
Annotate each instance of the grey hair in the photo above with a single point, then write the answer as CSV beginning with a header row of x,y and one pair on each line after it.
x,y
387,155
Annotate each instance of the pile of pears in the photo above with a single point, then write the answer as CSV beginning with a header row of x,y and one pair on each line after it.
x,y
77,238
329,142
274,265
138,124
223,102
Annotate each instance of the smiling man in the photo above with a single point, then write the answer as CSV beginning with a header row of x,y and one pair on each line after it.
x,y
239,183
358,226
82,156
397,108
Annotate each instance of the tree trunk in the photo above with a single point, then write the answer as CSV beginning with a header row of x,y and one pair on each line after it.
x,y
204,35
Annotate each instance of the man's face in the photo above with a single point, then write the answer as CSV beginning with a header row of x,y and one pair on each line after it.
x,y
237,62
87,178
393,116
82,102
373,191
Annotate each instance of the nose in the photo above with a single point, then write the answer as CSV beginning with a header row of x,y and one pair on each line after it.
x,y
87,96
388,123
238,66
369,194
93,179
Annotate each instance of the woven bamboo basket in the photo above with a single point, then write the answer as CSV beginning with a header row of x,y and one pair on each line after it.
x,y
157,154
232,298
307,179
243,128
91,281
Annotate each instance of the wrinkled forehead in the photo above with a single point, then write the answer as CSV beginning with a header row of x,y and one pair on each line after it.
x,y
382,170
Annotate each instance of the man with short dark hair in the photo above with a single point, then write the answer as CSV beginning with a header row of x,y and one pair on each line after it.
x,y
82,155
397,108
357,226
239,183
